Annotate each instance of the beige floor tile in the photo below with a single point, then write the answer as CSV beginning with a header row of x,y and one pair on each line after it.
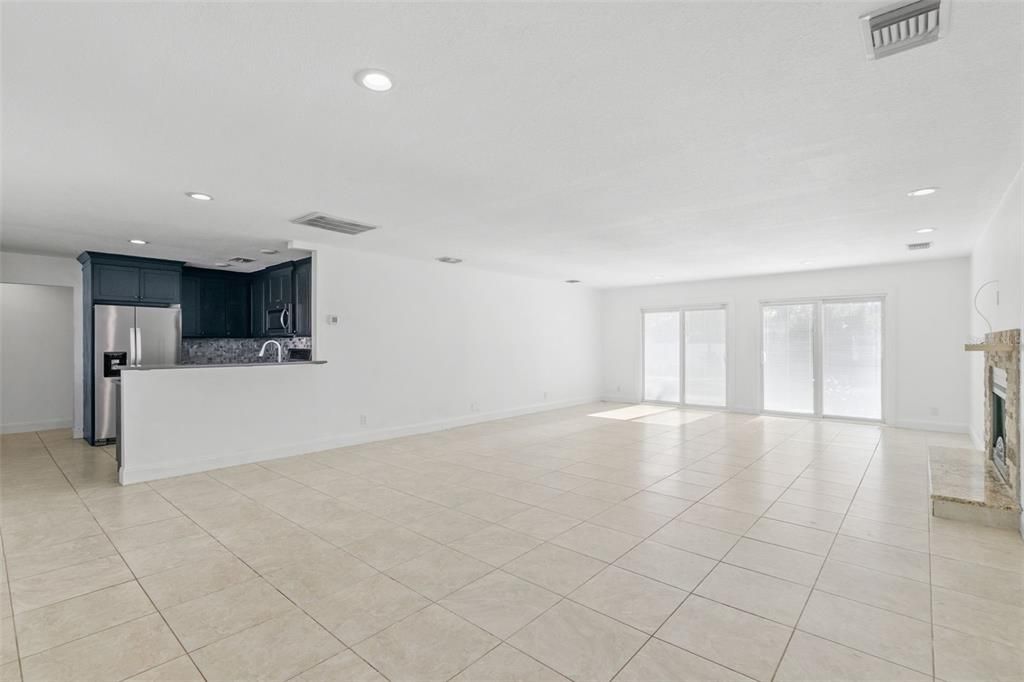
x,y
505,664
596,541
493,508
277,649
781,562
980,617
675,567
215,616
133,510
390,548
52,557
166,555
757,593
741,641
960,657
438,573
555,568
886,533
902,595
680,489
665,505
821,501
10,672
433,644
540,523
56,624
496,545
790,535
181,669
343,667
805,516
981,581
8,642
267,549
320,575
885,634
659,660
885,558
34,531
702,540
112,654
447,526
633,599
49,588
629,520
579,642
158,532
366,608
195,579
812,659
719,518
500,603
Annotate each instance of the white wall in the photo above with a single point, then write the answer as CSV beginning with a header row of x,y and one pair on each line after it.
x,y
925,329
18,268
419,346
36,358
998,255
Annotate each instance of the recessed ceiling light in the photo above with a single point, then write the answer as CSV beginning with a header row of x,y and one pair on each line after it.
x,y
923,192
572,281
140,242
806,262
449,259
198,196
223,265
374,79
269,252
925,230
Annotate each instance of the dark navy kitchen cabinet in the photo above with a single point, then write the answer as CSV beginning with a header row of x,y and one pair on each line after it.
x,y
212,320
189,305
303,291
125,279
278,283
236,307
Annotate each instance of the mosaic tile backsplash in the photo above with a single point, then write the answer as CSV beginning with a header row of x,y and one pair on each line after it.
x,y
226,351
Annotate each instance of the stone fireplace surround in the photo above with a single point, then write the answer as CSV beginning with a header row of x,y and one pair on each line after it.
x,y
1009,362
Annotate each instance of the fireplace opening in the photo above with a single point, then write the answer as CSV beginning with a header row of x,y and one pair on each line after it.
x,y
997,448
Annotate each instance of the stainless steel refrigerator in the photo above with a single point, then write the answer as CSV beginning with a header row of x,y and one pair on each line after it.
x,y
128,336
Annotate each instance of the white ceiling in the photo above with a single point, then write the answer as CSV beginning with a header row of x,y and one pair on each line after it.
x,y
613,143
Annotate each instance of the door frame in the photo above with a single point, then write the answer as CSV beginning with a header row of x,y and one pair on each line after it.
x,y
817,355
682,310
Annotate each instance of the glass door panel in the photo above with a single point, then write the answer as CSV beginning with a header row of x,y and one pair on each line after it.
x,y
661,356
788,356
705,357
852,359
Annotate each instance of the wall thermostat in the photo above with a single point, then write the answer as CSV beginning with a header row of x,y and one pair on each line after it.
x,y
332,319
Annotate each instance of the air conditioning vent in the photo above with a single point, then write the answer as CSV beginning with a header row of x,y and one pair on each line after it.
x,y
905,26
241,259
325,222
919,246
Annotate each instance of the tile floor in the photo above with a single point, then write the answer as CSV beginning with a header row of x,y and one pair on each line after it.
x,y
643,544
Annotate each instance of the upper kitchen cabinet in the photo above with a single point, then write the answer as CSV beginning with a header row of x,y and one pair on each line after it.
x,y
123,279
278,283
214,304
303,290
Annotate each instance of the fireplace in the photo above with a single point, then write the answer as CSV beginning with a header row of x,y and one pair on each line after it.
x,y
997,447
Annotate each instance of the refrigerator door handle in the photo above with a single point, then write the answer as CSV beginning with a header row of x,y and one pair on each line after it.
x,y
138,346
131,347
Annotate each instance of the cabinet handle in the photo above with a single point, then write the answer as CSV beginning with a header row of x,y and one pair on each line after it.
x,y
284,319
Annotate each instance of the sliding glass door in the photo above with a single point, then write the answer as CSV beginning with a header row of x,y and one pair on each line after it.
x,y
823,358
661,356
684,356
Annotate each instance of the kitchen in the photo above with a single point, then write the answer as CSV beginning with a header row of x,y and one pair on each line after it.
x,y
145,316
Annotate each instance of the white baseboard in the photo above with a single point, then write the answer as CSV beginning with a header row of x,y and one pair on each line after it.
x,y
45,425
128,475
944,427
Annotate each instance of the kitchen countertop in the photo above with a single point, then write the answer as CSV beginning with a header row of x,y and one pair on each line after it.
x,y
233,364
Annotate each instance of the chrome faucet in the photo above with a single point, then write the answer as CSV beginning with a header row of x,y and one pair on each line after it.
x,y
267,343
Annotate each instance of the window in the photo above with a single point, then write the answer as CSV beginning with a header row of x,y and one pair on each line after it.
x,y
684,356
823,358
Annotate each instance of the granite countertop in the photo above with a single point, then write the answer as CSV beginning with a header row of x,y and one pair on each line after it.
x,y
231,364
966,476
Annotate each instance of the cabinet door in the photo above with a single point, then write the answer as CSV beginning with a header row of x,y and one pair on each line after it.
x,y
236,308
160,286
211,306
303,299
258,291
115,282
190,306
280,287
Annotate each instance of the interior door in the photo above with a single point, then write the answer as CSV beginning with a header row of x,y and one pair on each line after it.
x,y
788,358
158,340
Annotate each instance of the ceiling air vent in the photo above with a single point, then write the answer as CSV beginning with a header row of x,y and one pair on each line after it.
x,y
901,27
919,246
241,259
326,222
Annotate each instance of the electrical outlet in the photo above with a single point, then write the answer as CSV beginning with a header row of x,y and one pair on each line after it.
x,y
934,411
618,389
473,407
545,395
362,420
